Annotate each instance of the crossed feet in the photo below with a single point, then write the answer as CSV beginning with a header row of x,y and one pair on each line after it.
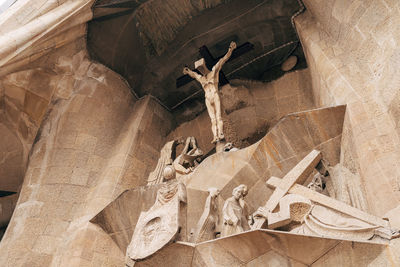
x,y
217,139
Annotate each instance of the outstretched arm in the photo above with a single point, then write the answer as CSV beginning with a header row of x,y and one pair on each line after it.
x,y
225,58
191,73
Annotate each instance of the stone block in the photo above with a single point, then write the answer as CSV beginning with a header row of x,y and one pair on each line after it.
x,y
41,84
35,106
56,227
46,244
12,112
80,176
15,94
271,258
353,254
85,142
58,175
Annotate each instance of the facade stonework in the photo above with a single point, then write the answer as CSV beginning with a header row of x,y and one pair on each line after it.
x,y
110,161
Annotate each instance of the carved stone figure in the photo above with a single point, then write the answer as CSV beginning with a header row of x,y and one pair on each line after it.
x,y
183,164
314,212
187,160
317,184
209,81
161,223
235,212
167,155
324,221
206,227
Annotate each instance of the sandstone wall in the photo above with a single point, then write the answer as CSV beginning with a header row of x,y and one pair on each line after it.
x,y
79,138
12,170
94,142
351,50
11,160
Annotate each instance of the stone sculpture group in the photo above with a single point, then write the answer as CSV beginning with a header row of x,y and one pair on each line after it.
x,y
292,207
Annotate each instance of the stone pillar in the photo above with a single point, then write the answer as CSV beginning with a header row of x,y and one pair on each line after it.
x,y
93,143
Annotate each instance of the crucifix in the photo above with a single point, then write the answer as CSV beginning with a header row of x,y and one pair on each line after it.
x,y
208,74
210,61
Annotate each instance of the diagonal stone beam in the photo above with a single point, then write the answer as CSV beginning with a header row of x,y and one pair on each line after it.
x,y
329,202
298,174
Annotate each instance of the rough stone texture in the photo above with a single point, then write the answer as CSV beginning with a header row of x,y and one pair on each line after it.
x,y
346,186
77,138
32,29
351,49
355,254
11,160
91,146
272,248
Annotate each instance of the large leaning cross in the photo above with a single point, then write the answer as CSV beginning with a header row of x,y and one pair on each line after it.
x,y
289,184
211,61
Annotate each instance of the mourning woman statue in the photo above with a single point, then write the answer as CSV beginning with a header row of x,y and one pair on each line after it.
x,y
235,212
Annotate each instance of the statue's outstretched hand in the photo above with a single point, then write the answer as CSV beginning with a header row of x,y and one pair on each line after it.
x,y
186,70
261,212
232,46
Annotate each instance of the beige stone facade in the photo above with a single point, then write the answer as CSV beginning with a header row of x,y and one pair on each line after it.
x,y
83,117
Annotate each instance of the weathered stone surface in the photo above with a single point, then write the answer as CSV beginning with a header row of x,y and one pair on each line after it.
x,y
74,137
351,52
80,158
162,223
207,226
271,248
119,218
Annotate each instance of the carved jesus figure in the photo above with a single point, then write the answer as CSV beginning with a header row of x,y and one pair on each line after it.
x,y
209,81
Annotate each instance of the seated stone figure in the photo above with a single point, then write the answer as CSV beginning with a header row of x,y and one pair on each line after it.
x,y
235,212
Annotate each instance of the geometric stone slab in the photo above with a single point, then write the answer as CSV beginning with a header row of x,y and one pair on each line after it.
x,y
271,248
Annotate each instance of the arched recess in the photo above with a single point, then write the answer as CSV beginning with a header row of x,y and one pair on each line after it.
x,y
149,42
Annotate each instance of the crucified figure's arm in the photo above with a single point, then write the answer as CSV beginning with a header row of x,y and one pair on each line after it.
x,y
191,73
225,58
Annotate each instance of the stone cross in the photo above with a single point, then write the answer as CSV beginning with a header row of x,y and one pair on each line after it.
x,y
299,172
328,202
210,61
289,185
